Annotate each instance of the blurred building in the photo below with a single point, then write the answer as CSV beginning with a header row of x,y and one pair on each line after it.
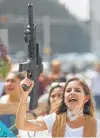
x,y
95,26
57,30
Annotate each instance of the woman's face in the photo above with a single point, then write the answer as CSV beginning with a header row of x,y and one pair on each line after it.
x,y
56,95
12,84
74,96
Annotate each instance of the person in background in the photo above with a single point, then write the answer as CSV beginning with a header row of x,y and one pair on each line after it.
x,y
74,117
55,95
5,65
95,86
56,72
43,82
9,101
12,88
72,72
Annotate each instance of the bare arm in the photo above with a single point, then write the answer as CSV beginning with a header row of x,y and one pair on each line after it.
x,y
21,122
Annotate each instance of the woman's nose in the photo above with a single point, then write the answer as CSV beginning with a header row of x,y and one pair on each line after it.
x,y
72,92
55,98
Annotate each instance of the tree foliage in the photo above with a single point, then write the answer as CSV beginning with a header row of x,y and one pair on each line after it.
x,y
5,63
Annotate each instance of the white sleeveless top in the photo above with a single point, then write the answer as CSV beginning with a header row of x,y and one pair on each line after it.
x,y
69,132
49,121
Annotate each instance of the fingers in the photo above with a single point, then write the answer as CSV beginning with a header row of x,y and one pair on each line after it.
x,y
27,75
31,86
28,83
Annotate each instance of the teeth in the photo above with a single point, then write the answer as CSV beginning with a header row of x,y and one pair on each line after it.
x,y
72,99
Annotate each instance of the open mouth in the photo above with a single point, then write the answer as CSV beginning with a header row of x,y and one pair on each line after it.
x,y
10,89
73,100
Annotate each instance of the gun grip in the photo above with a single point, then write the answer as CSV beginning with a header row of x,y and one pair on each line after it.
x,y
29,75
25,88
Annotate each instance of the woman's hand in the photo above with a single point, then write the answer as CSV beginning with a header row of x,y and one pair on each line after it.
x,y
28,83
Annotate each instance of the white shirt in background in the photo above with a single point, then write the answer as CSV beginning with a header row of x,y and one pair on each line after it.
x,y
1,87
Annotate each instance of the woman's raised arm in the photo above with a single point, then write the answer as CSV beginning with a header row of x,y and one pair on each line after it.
x,y
21,122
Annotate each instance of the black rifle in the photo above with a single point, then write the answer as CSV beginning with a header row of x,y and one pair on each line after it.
x,y
34,65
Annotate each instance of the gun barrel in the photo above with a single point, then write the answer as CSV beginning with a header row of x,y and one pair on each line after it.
x,y
37,53
30,14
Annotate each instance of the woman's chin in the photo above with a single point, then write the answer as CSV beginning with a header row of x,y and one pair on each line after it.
x,y
9,92
72,107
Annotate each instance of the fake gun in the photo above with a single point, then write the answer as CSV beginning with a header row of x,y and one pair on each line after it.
x,y
34,65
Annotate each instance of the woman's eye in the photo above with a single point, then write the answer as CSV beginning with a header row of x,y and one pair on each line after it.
x,y
59,95
78,91
52,96
68,91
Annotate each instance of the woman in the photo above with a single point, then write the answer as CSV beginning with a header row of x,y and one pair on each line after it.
x,y
9,101
74,117
12,88
55,94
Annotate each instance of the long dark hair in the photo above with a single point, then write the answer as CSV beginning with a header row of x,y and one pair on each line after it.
x,y
89,107
56,85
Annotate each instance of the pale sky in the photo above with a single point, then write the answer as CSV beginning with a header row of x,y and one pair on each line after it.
x,y
79,8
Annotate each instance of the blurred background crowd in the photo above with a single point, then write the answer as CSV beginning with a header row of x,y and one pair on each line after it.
x,y
68,32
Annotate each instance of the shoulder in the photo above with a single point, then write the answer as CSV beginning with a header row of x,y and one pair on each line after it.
x,y
49,121
4,99
98,123
50,116
98,127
